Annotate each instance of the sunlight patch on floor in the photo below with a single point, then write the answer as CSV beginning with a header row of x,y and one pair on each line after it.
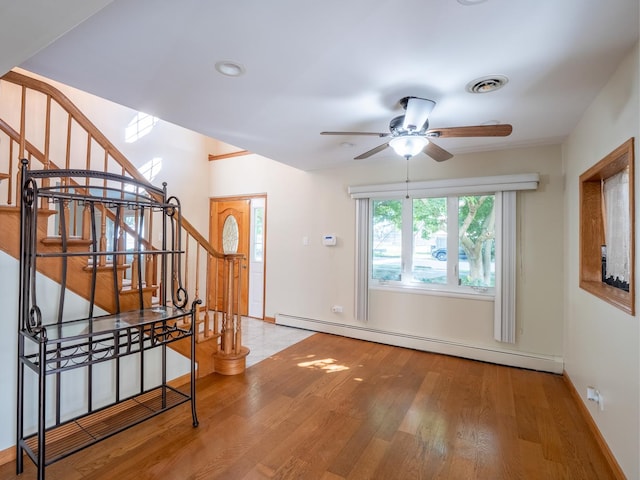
x,y
328,364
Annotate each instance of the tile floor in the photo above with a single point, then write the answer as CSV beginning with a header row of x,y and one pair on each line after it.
x,y
265,339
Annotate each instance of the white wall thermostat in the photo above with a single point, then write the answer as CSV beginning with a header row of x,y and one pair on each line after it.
x,y
329,240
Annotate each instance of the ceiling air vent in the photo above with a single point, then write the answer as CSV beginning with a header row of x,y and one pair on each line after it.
x,y
487,84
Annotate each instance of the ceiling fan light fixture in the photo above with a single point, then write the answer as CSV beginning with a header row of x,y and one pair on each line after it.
x,y
408,145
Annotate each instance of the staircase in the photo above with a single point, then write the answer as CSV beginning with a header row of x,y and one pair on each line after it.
x,y
46,128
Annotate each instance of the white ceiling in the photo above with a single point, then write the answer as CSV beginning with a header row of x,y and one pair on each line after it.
x,y
329,65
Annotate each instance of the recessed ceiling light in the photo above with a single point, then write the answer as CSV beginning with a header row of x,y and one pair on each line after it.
x,y
229,68
347,144
487,84
470,2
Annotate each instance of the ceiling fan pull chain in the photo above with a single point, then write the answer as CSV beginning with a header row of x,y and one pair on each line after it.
x,y
407,181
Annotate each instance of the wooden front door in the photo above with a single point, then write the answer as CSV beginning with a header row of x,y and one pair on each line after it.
x,y
220,210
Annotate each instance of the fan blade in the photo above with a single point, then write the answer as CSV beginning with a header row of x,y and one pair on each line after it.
x,y
502,130
374,134
373,151
418,110
437,153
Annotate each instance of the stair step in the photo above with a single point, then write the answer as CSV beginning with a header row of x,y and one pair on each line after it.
x,y
71,241
127,290
126,282
107,266
200,338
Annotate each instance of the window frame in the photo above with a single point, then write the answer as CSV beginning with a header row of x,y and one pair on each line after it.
x,y
452,286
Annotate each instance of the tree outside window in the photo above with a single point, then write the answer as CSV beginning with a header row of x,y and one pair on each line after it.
x,y
386,249
476,231
429,224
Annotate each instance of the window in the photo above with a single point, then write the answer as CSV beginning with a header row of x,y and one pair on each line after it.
x,y
429,234
257,230
411,239
139,126
386,248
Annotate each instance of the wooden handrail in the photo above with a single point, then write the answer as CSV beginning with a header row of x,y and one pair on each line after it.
x,y
200,239
81,118
15,136
38,155
97,135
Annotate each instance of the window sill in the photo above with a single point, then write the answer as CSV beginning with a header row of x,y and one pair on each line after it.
x,y
440,292
614,296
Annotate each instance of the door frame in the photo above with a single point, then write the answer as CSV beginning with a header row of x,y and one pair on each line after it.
x,y
212,200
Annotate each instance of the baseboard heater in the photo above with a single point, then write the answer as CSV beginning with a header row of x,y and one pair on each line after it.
x,y
545,363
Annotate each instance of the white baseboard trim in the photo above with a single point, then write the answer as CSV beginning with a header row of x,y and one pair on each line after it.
x,y
513,358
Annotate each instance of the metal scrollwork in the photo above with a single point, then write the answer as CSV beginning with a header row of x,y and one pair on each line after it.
x,y
34,322
29,192
173,207
181,297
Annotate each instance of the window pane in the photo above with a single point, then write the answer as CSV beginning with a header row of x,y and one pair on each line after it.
x,y
476,223
429,262
386,240
258,228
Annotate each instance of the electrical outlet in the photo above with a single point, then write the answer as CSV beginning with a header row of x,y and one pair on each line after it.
x,y
336,309
595,396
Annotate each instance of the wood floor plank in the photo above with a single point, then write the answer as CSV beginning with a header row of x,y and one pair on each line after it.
x,y
506,435
303,434
368,460
504,391
328,441
333,408
532,461
415,414
401,459
331,476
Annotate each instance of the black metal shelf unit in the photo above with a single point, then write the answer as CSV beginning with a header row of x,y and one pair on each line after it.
x,y
102,222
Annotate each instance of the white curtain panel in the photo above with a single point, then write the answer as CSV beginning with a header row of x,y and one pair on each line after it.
x,y
362,260
617,228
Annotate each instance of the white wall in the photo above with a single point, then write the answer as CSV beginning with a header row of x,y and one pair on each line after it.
x,y
602,343
303,282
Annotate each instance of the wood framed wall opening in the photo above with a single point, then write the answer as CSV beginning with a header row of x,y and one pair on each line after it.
x,y
593,227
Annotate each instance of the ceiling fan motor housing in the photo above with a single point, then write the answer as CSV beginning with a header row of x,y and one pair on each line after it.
x,y
396,126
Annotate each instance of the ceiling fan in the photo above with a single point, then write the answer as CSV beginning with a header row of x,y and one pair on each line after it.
x,y
410,133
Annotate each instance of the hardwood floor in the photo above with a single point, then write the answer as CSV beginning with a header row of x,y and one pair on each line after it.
x,y
335,408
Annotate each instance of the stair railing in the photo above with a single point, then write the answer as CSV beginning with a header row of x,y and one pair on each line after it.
x,y
50,131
